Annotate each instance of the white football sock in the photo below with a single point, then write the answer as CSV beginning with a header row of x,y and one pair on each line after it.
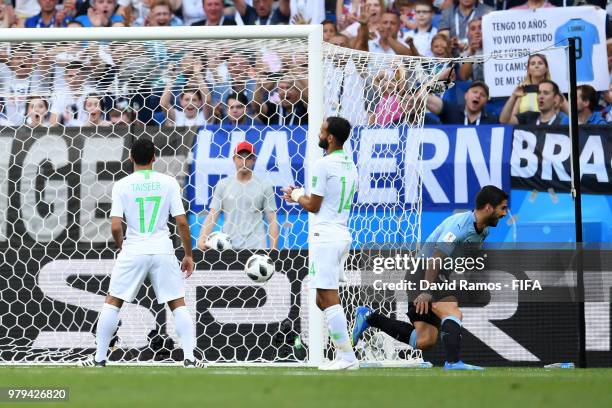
x,y
107,324
185,330
338,332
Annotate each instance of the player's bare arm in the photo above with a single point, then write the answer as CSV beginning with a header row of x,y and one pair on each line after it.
x,y
182,225
117,231
311,203
423,301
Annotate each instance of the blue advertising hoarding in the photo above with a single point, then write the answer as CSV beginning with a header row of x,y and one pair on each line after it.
x,y
456,163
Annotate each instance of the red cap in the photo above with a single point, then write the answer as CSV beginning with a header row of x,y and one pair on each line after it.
x,y
245,147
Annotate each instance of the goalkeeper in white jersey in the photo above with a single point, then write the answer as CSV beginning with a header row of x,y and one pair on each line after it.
x,y
333,185
146,198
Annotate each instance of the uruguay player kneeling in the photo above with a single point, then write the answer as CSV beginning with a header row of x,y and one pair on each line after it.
x,y
438,311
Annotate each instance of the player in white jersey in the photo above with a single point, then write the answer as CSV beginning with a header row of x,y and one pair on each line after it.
x,y
146,198
333,185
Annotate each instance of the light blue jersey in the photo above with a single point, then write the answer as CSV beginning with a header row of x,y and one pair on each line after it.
x,y
452,232
587,37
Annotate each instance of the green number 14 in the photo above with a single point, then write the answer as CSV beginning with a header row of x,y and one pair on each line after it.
x,y
141,201
346,201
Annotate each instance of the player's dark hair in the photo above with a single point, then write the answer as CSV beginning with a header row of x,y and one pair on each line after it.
x,y
142,151
589,94
490,195
339,128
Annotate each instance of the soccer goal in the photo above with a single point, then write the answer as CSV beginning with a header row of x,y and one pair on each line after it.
x,y
73,100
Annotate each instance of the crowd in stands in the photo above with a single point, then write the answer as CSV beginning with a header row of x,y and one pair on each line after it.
x,y
81,84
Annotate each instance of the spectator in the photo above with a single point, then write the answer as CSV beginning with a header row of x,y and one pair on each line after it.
x,y
442,5
191,11
441,46
549,100
607,99
214,15
373,9
25,9
387,108
340,40
136,12
329,30
498,5
454,21
424,31
537,71
142,70
19,77
244,200
100,14
586,102
194,100
407,15
160,15
94,108
262,12
290,111
476,98
609,47
74,24
533,4
37,112
236,114
265,90
236,78
345,85
307,11
410,101
69,10
68,103
121,113
387,42
48,16
347,10
7,16
469,70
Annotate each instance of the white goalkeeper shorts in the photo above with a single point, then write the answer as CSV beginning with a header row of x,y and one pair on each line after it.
x,y
130,271
326,263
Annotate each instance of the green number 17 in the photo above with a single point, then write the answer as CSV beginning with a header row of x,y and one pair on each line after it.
x,y
156,201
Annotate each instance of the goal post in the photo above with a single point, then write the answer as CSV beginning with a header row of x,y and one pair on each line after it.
x,y
61,175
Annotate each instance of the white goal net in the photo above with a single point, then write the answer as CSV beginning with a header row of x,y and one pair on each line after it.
x,y
70,110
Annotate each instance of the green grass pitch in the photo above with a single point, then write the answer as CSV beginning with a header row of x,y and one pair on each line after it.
x,y
256,387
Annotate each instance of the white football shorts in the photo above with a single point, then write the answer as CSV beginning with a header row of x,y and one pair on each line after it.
x,y
130,271
326,263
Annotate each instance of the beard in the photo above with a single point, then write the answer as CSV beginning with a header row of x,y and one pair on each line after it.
x,y
323,144
493,220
